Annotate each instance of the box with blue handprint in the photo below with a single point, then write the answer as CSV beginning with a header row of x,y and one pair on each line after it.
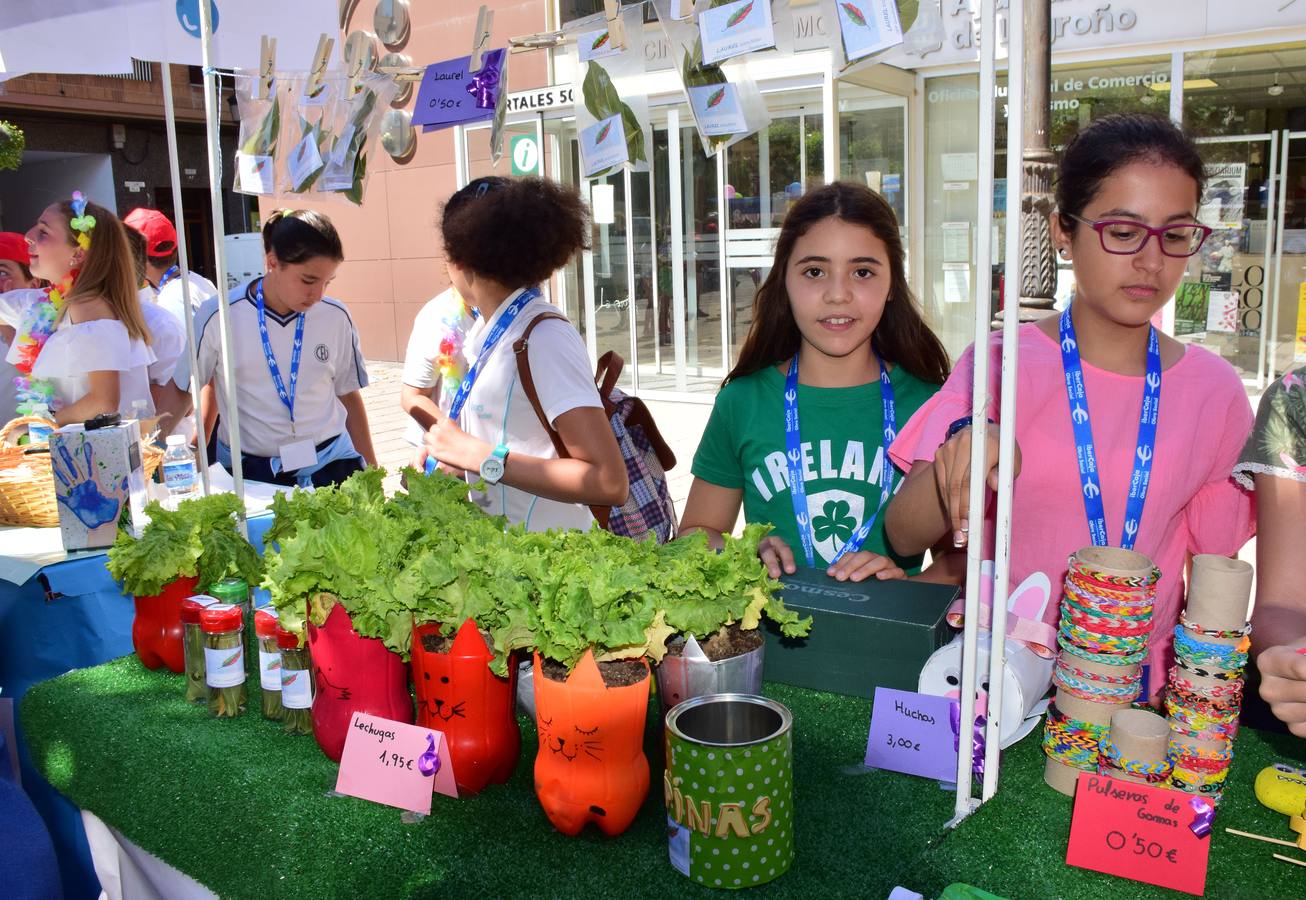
x,y
99,482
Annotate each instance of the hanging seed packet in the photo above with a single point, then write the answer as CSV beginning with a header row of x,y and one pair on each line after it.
x,y
310,138
260,129
717,110
733,29
356,118
490,87
867,27
599,100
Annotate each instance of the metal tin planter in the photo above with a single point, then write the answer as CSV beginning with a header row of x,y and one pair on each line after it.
x,y
692,674
728,788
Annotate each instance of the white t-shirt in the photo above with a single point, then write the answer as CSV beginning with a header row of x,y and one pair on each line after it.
x,y
331,364
420,369
76,350
170,296
167,338
8,390
498,411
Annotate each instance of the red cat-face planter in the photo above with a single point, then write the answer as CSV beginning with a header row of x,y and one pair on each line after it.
x,y
459,695
352,673
156,627
591,765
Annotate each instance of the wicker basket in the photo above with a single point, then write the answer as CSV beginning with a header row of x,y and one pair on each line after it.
x,y
27,482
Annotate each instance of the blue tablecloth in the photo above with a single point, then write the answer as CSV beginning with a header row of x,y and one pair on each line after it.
x,y
69,615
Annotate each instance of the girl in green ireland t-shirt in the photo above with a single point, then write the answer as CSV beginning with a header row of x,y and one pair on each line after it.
x,y
836,335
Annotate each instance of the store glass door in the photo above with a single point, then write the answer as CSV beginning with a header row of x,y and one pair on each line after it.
x,y
1285,327
1221,303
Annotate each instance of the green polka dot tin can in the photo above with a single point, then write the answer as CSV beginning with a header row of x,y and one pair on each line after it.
x,y
729,789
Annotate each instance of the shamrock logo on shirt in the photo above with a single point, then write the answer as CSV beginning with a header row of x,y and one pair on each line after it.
x,y
835,521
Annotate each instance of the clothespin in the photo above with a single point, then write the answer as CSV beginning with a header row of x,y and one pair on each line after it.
x,y
318,69
684,9
616,30
481,37
266,67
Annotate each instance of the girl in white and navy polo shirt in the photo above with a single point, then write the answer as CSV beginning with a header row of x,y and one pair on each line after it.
x,y
298,367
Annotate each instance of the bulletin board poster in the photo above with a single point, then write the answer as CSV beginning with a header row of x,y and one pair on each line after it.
x,y
1190,309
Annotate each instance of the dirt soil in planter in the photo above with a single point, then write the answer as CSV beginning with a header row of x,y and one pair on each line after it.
x,y
438,643
732,641
618,673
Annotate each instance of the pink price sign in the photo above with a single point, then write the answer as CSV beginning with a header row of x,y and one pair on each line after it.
x,y
396,764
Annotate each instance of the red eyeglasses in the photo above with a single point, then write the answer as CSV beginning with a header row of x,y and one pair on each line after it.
x,y
1125,237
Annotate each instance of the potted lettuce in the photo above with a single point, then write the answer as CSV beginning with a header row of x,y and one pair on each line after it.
x,y
198,543
714,601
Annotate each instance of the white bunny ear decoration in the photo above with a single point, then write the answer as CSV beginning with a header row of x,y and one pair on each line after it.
x,y
957,611
1025,618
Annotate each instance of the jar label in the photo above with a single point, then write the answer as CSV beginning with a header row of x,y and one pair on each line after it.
x,y
224,668
269,670
296,689
180,475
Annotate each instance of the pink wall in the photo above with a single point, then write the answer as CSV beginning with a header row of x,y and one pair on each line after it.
x,y
393,259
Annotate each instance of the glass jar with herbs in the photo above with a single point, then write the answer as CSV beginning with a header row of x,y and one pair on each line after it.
x,y
192,645
296,683
269,663
224,659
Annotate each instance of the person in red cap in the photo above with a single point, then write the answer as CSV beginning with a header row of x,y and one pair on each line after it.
x,y
161,269
15,275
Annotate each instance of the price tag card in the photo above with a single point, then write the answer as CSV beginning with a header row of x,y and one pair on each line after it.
x,y
395,764
912,733
1139,832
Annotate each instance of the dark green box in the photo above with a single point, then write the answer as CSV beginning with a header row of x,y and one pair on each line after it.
x,y
864,635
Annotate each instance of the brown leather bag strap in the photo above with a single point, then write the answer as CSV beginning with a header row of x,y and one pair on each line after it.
x,y
520,348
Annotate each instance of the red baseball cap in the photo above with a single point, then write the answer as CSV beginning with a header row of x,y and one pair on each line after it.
x,y
14,246
160,236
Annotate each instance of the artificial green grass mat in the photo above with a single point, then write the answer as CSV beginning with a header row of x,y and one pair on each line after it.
x,y
246,810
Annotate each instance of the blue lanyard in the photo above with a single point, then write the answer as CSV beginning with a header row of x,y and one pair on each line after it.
x,y
505,319
1089,476
168,276
287,397
794,457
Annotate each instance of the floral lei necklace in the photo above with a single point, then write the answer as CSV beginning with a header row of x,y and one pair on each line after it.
x,y
40,321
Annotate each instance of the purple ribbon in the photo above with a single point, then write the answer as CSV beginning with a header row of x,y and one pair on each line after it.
x,y
1203,813
977,740
485,83
429,762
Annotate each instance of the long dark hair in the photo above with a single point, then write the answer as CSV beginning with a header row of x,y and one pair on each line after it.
x,y
1113,142
298,235
902,337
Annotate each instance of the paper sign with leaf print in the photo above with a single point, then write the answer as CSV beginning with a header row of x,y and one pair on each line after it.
x,y
595,45
603,146
717,110
734,29
394,763
255,173
868,26
304,160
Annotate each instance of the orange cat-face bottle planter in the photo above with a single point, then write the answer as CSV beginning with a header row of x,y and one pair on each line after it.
x,y
591,765
459,695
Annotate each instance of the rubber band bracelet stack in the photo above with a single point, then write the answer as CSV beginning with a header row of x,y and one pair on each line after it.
x,y
1203,701
1105,624
1109,757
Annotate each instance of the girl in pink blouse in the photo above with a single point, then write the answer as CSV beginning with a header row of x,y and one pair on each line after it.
x,y
1127,197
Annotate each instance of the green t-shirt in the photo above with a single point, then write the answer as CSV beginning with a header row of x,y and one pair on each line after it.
x,y
842,441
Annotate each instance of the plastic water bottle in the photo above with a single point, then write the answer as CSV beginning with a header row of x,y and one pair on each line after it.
x,y
39,433
179,474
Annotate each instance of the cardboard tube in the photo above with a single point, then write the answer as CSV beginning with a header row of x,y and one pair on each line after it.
x,y
1218,593
1059,776
1140,736
1115,561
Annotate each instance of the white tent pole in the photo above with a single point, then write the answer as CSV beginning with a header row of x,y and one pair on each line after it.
x,y
979,410
183,261
1007,415
212,115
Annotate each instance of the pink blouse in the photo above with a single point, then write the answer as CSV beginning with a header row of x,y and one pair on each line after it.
x,y
1193,505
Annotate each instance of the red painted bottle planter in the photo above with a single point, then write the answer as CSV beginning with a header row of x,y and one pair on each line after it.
x,y
459,695
156,628
352,674
591,765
